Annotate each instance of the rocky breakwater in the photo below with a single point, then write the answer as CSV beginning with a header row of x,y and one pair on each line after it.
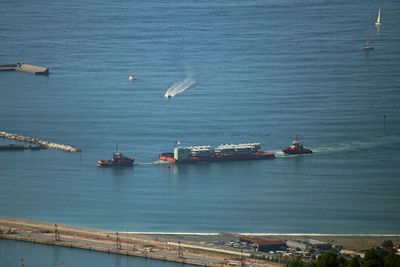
x,y
38,141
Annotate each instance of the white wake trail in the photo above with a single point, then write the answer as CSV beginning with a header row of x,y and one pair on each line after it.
x,y
179,87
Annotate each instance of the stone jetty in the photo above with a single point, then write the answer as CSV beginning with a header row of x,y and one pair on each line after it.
x,y
38,141
22,67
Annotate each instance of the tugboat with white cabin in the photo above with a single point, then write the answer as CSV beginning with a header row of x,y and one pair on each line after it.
x,y
297,148
118,160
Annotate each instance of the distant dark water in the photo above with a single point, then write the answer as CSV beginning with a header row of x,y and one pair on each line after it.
x,y
264,72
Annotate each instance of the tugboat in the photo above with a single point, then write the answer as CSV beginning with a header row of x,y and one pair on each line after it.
x,y
296,148
118,159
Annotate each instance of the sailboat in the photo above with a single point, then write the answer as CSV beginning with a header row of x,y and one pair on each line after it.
x,y
368,45
131,77
378,19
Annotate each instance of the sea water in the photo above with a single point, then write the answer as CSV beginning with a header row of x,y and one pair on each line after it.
x,y
37,255
259,71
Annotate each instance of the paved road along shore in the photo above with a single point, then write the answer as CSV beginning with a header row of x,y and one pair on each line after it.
x,y
187,248
148,246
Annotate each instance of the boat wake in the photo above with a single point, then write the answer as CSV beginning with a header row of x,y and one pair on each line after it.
x,y
349,146
179,87
156,162
280,154
342,147
353,146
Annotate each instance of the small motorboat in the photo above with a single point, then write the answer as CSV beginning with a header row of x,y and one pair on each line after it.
x,y
118,160
296,148
131,77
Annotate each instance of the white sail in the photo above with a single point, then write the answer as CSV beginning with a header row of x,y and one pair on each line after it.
x,y
378,19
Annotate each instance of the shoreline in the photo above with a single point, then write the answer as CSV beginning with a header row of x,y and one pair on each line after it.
x,y
202,249
264,234
146,246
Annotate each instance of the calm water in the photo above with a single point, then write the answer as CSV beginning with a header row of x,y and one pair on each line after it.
x,y
264,72
36,255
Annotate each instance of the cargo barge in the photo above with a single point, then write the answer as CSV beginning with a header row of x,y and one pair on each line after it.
x,y
198,154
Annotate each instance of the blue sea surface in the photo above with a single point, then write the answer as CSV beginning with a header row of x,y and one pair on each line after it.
x,y
37,255
264,71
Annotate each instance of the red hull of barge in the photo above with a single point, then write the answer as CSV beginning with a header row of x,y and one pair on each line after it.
x,y
256,156
167,157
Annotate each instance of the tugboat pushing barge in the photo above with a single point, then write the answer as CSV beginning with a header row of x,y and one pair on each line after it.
x,y
118,160
296,148
197,154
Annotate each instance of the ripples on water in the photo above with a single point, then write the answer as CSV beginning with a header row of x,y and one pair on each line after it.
x,y
264,72
11,253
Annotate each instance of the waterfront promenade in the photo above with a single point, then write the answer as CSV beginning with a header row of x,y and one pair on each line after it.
x,y
190,248
139,245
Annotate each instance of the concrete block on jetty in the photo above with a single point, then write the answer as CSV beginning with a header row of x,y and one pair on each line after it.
x,y
38,141
14,147
22,67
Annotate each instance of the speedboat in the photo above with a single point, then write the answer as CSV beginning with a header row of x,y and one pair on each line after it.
x,y
118,159
296,148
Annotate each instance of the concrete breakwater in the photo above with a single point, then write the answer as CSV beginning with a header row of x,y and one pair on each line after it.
x,y
21,147
38,141
22,67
